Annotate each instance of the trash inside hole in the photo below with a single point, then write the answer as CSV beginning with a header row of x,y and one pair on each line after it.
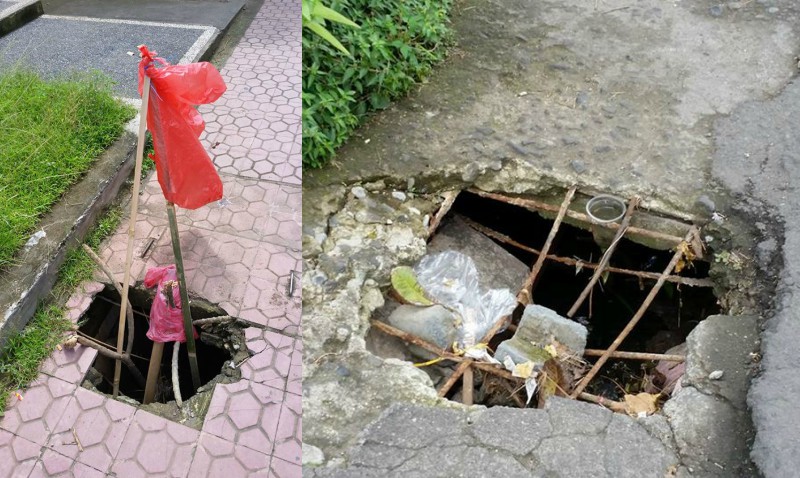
x,y
499,238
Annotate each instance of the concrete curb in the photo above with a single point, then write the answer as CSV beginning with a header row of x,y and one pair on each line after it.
x,y
19,14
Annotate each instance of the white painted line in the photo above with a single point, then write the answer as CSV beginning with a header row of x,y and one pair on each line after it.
x,y
130,22
199,46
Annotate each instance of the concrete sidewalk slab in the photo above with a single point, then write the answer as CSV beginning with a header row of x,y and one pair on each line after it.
x,y
53,45
15,13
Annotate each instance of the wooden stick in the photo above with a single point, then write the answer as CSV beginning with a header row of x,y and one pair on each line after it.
x,y
642,309
589,265
129,314
445,388
137,180
449,200
152,372
634,355
524,296
77,441
467,386
185,306
618,407
538,206
176,383
632,204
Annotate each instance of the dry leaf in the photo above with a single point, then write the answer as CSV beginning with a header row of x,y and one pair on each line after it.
x,y
641,404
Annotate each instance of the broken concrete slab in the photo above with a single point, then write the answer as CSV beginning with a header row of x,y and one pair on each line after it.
x,y
709,434
497,268
722,343
537,328
418,441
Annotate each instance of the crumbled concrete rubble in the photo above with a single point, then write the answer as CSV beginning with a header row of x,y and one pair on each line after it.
x,y
538,327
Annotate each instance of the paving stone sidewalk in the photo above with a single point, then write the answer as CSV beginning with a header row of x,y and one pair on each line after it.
x,y
239,252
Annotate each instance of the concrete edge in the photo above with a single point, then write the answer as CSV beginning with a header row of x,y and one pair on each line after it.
x,y
37,271
19,14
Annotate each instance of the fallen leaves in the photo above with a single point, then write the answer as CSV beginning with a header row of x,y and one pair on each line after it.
x,y
407,288
641,404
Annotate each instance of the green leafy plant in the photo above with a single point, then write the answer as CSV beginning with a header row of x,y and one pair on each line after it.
x,y
314,16
397,45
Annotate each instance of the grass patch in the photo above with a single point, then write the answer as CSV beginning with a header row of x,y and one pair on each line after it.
x,y
397,45
50,132
25,351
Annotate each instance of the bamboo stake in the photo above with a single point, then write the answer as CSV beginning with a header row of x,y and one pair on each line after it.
x,y
129,310
185,307
632,204
642,309
524,296
634,355
568,261
153,372
137,180
538,206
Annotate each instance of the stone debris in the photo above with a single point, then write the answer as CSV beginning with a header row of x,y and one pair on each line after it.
x,y
434,324
538,327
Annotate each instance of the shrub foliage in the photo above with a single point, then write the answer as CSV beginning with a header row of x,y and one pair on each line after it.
x,y
398,43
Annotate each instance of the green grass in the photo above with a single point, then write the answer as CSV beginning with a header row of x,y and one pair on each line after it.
x,y
25,351
50,134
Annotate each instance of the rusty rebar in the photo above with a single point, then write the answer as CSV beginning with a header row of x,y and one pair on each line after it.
x,y
449,199
634,355
639,314
632,204
525,294
568,261
538,206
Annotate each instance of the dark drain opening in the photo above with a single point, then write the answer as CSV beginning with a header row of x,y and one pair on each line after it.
x,y
674,313
101,320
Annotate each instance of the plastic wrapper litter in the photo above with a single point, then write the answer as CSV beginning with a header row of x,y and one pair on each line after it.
x,y
450,278
166,315
185,172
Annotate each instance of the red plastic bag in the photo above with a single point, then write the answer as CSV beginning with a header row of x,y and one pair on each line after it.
x,y
185,172
166,322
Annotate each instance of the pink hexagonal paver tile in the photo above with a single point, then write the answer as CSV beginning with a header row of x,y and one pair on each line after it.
x,y
56,465
155,446
284,469
218,458
68,364
37,415
294,383
267,303
17,455
100,424
246,413
271,360
290,430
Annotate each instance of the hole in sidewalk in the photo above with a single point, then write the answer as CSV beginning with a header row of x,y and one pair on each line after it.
x,y
674,313
218,346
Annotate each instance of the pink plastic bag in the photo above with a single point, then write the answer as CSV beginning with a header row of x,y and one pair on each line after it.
x,y
185,172
166,322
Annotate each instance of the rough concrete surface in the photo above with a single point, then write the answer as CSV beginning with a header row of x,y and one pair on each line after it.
x,y
690,105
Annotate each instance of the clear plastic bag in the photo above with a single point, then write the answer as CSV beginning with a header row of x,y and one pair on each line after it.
x,y
185,172
451,279
166,315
